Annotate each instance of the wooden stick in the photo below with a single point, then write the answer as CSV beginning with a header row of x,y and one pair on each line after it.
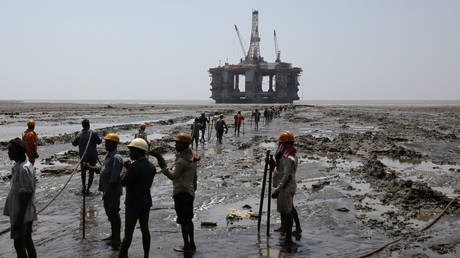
x,y
261,204
269,197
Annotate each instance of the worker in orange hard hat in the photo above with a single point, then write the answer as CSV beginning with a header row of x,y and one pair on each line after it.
x,y
220,126
184,178
238,118
285,185
31,141
141,133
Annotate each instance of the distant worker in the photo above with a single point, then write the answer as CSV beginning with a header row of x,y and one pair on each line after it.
x,y
87,140
141,132
110,186
238,119
214,119
220,126
138,180
256,116
285,184
31,141
266,115
196,127
184,179
203,121
19,204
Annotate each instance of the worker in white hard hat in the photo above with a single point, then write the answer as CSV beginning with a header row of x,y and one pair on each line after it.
x,y
138,179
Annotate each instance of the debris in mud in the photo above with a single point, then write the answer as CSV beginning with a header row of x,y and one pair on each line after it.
x,y
247,207
318,186
208,224
234,214
343,209
56,170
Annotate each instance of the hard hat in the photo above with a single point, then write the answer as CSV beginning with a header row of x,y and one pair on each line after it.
x,y
113,137
284,137
221,115
143,125
291,136
202,113
239,111
183,137
31,122
140,144
216,111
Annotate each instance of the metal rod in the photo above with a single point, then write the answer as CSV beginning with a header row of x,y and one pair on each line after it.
x,y
261,204
269,197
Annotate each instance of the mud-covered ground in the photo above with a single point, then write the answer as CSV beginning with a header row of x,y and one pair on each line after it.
x,y
367,175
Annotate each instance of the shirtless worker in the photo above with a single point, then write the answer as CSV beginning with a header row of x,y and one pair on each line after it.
x,y
110,186
138,179
19,204
31,141
285,185
238,119
184,179
88,162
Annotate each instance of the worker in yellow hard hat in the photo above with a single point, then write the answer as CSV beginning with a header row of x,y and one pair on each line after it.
x,y
285,185
110,186
138,180
31,141
184,177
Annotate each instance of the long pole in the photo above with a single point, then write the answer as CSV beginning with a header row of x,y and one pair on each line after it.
x,y
269,196
261,204
210,130
84,214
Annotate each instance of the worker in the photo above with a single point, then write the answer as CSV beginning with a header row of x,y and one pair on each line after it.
x,y
31,141
266,115
19,204
184,179
216,116
203,121
110,186
137,178
141,132
238,118
220,125
87,140
256,116
196,127
284,182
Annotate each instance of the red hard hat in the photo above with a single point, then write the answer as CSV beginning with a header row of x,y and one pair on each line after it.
x,y
284,137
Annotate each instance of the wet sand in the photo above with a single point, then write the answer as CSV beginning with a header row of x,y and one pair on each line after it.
x,y
385,172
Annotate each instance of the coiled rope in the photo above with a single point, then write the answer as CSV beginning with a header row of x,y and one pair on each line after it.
x,y
6,230
397,240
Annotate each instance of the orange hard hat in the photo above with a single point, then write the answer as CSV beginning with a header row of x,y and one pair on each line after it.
x,y
284,137
143,125
31,122
291,136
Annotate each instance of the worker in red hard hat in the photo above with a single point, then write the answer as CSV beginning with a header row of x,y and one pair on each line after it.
x,y
238,119
285,185
31,141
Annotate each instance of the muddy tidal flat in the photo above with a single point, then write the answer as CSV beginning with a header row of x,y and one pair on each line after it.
x,y
367,175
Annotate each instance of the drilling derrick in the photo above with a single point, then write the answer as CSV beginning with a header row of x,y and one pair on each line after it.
x,y
282,78
254,47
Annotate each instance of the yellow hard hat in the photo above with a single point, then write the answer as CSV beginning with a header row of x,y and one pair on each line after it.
x,y
216,111
140,144
183,137
113,137
143,125
31,122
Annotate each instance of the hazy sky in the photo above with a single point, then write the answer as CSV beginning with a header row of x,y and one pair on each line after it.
x,y
388,49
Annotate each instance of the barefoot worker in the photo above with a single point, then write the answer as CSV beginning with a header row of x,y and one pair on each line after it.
x,y
31,141
110,185
141,133
89,160
238,118
220,127
138,180
203,121
184,186
19,205
286,163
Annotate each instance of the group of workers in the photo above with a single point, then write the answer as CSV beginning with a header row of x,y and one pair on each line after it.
x,y
137,175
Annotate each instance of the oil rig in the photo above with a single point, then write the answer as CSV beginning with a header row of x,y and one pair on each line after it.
x,y
283,84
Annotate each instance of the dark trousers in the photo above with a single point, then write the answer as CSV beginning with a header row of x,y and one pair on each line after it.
x,y
130,223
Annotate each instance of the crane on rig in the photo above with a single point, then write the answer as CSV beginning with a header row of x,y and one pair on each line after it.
x,y
241,42
277,50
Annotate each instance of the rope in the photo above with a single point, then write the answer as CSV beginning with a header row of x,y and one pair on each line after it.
x,y
397,240
6,230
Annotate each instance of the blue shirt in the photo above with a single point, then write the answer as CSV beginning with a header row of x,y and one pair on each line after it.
x,y
82,140
110,173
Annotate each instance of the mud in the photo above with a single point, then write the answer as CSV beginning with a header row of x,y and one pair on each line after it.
x,y
366,175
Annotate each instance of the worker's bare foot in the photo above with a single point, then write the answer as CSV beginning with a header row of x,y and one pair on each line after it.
x,y
179,249
297,234
280,229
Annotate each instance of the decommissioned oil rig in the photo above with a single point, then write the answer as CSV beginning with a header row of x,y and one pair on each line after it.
x,y
283,83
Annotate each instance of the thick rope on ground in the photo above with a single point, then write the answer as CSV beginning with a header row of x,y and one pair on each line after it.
x,y
6,230
397,240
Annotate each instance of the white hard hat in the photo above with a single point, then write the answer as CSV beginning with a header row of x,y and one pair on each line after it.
x,y
139,144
